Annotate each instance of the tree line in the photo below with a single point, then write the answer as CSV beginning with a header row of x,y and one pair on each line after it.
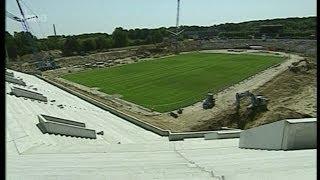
x,y
21,43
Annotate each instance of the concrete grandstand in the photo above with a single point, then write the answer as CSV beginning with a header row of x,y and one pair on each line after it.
x,y
127,151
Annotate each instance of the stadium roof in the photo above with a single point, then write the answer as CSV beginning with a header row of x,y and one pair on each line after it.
x,y
30,154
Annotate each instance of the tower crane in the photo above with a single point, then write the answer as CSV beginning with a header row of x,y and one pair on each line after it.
x,y
22,20
41,64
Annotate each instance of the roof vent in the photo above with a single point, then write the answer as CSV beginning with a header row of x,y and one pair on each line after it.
x,y
14,80
54,125
291,134
19,92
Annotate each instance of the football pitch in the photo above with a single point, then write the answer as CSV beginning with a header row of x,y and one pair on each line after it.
x,y
169,83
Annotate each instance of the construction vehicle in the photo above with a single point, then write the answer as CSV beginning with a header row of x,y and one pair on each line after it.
x,y
45,65
258,103
42,64
210,102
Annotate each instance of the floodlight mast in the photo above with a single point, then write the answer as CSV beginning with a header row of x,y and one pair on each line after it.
x,y
177,32
54,30
178,14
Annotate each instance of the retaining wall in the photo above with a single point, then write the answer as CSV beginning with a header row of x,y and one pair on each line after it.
x,y
235,133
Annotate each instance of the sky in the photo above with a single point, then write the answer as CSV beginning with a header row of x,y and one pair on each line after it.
x,y
73,17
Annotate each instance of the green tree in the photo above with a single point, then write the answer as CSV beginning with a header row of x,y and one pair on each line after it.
x,y
42,46
26,43
88,45
120,37
108,43
54,42
11,46
103,43
157,36
100,43
71,46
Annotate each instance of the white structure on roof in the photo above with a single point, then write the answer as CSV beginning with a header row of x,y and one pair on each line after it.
x,y
291,134
141,154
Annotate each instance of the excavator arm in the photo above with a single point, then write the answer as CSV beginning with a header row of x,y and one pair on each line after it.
x,y
255,100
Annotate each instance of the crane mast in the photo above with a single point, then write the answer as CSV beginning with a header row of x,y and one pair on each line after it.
x,y
23,20
41,64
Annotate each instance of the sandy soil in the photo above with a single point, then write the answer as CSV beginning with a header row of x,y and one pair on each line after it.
x,y
290,94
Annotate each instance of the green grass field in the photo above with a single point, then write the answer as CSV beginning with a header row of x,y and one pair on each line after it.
x,y
169,83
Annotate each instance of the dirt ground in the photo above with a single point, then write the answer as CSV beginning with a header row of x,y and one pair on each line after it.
x,y
291,95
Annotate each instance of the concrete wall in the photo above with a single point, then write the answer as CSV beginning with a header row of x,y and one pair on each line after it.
x,y
64,121
182,136
28,94
185,135
281,135
268,136
224,134
15,80
64,129
300,135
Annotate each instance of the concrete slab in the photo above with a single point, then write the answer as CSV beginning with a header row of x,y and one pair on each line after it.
x,y
282,135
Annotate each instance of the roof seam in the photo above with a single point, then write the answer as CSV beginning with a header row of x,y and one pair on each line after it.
x,y
198,166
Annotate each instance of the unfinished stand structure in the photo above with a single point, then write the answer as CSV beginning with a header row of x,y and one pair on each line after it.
x,y
55,125
11,79
20,92
290,134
